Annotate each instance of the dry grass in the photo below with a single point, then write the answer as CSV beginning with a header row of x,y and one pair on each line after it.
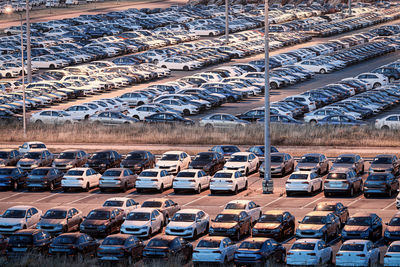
x,y
282,135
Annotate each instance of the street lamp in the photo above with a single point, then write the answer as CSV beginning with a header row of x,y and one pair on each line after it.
x,y
9,10
267,184
28,42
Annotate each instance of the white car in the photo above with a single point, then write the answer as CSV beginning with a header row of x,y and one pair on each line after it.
x,y
391,121
134,99
214,249
143,111
205,31
188,223
51,117
157,179
8,73
358,252
230,181
187,109
311,252
392,256
31,146
374,79
245,162
176,63
19,217
124,203
222,120
304,181
174,161
82,178
315,66
248,206
191,179
307,100
143,222
80,112
316,115
48,62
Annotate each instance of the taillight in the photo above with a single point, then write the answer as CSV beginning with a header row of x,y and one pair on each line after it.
x,y
229,182
154,180
288,182
360,255
196,251
387,256
326,181
80,179
212,181
311,254
304,182
217,251
289,253
191,181
338,255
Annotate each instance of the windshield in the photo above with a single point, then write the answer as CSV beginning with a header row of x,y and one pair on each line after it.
x,y
112,173
303,246
170,157
55,214
394,248
251,245
138,216
132,156
268,218
227,218
67,155
309,160
113,203
14,214
33,155
230,149
235,206
336,176
63,240
395,221
223,175
113,241
18,239
204,157
345,160
152,204
377,177
98,215
34,146
6,171
238,159
297,176
3,155
148,174
39,172
74,173
277,159
155,242
186,174
314,220
324,207
382,160
352,247
362,221
100,156
208,244
184,217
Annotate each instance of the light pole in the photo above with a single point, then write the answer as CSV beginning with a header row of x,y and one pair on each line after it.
x,y
227,21
349,3
268,186
28,42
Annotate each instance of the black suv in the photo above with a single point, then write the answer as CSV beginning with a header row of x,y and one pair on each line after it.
x,y
103,160
210,162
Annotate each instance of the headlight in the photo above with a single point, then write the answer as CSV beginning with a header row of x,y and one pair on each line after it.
x,y
86,165
211,230
34,166
103,165
82,227
103,227
387,233
69,166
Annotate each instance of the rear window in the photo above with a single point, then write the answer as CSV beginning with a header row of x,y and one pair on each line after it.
x,y
223,175
298,176
352,247
394,248
208,244
377,177
186,174
251,245
303,246
337,176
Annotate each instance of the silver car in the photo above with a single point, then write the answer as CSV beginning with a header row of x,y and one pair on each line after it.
x,y
117,178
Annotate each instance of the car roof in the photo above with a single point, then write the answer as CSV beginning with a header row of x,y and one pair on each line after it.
x,y
257,239
124,236
71,150
174,152
312,155
363,214
356,241
149,210
117,169
227,171
241,201
328,203
278,154
105,209
21,207
242,153
318,213
189,211
80,169
214,238
64,208
303,172
76,234
237,212
28,231
165,237
395,243
118,199
7,149
347,155
307,240
385,156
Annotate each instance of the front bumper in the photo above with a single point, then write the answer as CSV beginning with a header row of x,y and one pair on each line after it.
x,y
188,233
136,231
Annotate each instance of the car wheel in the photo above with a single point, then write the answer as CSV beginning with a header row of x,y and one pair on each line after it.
x,y
8,75
80,258
194,233
352,192
51,186
39,122
390,193
326,194
313,122
209,126
130,260
325,237
136,117
198,190
212,192
246,172
366,195
52,66
288,194
312,190
322,71
124,188
376,85
65,189
163,66
185,68
161,188
273,85
87,188
235,192
186,112
385,127
15,186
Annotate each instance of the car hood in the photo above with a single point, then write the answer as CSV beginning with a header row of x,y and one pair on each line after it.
x,y
167,163
64,161
52,221
180,224
235,164
28,161
381,166
342,165
136,223
94,222
226,225
355,228
314,227
276,165
306,165
9,221
267,225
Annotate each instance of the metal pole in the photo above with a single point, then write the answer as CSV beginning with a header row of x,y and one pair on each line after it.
x,y
268,186
23,78
28,43
349,3
227,21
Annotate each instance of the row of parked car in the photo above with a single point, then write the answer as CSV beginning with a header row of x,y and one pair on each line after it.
x,y
329,220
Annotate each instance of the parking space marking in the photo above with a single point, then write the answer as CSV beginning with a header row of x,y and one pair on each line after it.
x,y
305,206
388,206
1,199
49,196
272,202
354,201
197,199
79,199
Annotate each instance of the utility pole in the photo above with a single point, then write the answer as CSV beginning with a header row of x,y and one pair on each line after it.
x,y
349,3
268,186
28,43
23,78
227,21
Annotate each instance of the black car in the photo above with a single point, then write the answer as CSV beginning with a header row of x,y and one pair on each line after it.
x,y
44,178
381,183
252,115
102,221
103,160
73,244
165,247
28,240
3,244
210,162
277,224
120,247
264,251
336,208
138,161
167,117
7,117
12,177
363,225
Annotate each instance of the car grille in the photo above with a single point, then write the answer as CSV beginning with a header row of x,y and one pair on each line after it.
x,y
25,165
90,227
232,168
6,226
177,230
133,229
47,227
307,233
164,167
264,231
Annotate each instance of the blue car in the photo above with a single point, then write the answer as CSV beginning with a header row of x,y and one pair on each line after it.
x,y
363,225
342,120
265,251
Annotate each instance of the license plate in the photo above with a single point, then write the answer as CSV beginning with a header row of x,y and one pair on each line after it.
x,y
336,184
19,249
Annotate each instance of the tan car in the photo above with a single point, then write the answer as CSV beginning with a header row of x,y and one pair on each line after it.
x,y
32,160
232,223
60,220
166,206
117,178
281,164
319,224
69,159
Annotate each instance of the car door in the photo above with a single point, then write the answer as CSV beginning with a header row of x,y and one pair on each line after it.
x,y
204,181
323,251
230,248
377,226
392,122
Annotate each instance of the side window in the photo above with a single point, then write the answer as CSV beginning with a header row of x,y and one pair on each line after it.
x,y
167,204
34,211
320,246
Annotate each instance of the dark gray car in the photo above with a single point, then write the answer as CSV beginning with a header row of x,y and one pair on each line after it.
x,y
385,163
352,161
315,162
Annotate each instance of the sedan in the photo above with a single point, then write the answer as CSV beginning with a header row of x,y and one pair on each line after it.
x,y
358,253
112,118
336,208
275,224
258,250
74,244
138,161
12,177
245,162
168,117
117,178
393,229
166,247
381,183
102,221
392,256
123,203
194,180
120,247
315,162
248,206
82,178
310,252
28,241
222,120
35,159
228,181
319,224
143,222
281,164
188,223
231,223
9,157
352,161
214,249
385,163
19,217
304,181
342,120
363,225
210,162
157,179
44,178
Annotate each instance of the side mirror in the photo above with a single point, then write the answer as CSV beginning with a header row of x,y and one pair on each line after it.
x,y
84,217
29,216
153,219
387,223
212,220
299,221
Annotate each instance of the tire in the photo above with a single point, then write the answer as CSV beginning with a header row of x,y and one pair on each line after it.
x,y
39,122
15,186
163,66
325,237
87,188
211,34
352,192
52,66
130,260
312,190
198,190
185,68
65,189
8,75
51,187
246,186
236,191
366,195
124,188
209,126
212,192
376,85
136,117
392,80
237,235
194,233
161,188
385,127
322,71
246,172
390,193
313,122
273,86
186,112
140,103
